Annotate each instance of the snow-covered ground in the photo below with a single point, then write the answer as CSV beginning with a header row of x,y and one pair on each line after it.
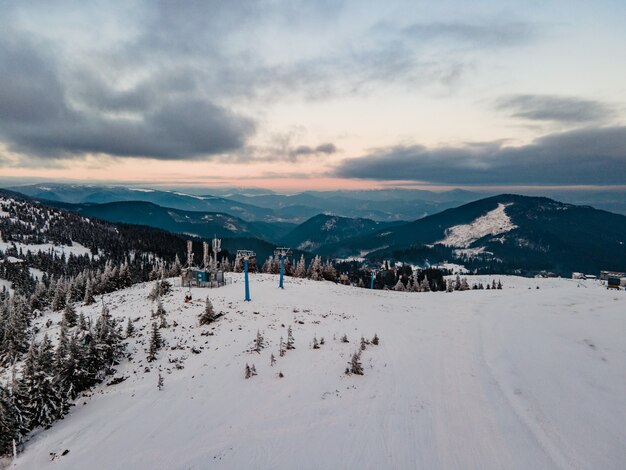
x,y
77,249
493,222
516,378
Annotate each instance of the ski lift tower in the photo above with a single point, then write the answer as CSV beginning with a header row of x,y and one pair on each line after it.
x,y
373,276
282,252
246,255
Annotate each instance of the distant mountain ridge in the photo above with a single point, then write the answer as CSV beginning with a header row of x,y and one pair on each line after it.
x,y
324,229
538,234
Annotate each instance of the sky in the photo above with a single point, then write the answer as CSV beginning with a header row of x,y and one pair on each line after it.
x,y
314,94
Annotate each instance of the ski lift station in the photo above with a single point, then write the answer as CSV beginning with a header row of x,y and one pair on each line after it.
x,y
210,274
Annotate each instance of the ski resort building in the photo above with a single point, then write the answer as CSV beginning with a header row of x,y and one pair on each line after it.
x,y
209,275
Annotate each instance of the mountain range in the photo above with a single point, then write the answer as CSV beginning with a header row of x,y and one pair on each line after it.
x,y
505,233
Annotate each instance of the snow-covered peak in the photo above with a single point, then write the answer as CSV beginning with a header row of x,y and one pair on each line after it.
x,y
493,222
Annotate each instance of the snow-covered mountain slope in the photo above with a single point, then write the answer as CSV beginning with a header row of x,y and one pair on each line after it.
x,y
494,222
513,378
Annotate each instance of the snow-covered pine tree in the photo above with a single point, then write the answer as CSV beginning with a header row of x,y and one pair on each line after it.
x,y
88,298
69,313
300,270
82,323
108,339
316,344
281,348
155,343
399,286
130,328
160,382
375,340
355,365
208,315
58,301
45,402
259,342
15,337
290,340
329,273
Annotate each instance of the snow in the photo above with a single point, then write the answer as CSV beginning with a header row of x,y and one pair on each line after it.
x,y
330,224
7,284
77,249
141,190
513,378
36,273
493,222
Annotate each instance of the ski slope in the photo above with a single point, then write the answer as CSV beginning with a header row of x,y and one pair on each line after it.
x,y
519,378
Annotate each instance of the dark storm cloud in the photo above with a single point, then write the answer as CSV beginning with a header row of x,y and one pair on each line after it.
x,y
42,118
169,89
564,109
585,156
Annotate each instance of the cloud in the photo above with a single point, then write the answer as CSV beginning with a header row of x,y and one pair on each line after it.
x,y
487,35
189,80
304,150
593,156
563,109
41,117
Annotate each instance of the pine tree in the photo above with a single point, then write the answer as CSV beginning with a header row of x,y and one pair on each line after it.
x,y
375,340
399,286
108,341
355,366
315,269
160,382
9,425
363,343
14,340
250,371
130,328
72,376
82,323
58,301
290,340
69,313
259,342
300,270
281,348
272,360
316,344
208,315
155,343
62,345
329,273
45,403
88,298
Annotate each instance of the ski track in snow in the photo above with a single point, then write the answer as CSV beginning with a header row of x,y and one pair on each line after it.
x,y
516,378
